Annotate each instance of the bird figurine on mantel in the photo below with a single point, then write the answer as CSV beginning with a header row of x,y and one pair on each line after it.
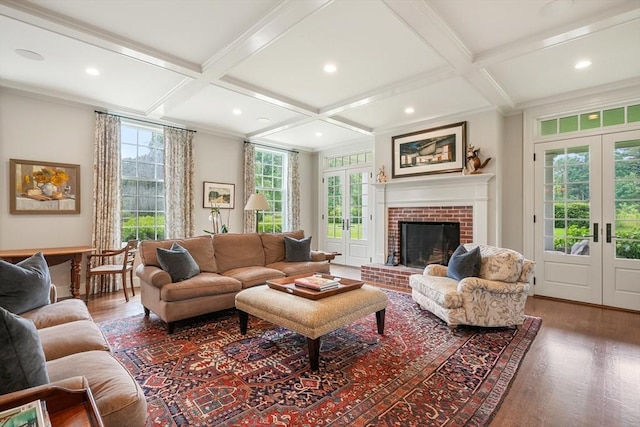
x,y
473,161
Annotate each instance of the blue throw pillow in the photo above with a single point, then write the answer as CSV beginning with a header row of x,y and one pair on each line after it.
x,y
22,362
297,250
464,263
178,262
25,285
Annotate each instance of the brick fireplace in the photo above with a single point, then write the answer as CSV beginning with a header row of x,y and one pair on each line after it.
x,y
451,198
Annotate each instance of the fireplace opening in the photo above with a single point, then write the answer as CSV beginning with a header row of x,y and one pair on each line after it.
x,y
423,243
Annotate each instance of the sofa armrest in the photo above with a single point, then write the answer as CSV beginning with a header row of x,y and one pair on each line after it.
x,y
318,256
435,270
470,284
153,275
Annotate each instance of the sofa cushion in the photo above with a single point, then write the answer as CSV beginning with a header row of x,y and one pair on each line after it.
x,y
178,262
442,290
297,250
200,248
118,397
273,245
202,285
296,268
499,264
25,285
464,263
254,275
236,250
70,338
65,311
22,362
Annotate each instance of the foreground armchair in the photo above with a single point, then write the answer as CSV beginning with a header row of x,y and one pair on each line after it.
x,y
496,297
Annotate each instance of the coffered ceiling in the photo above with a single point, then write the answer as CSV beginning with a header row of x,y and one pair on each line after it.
x,y
254,69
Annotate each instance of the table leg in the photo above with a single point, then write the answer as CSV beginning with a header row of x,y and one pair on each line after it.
x,y
380,321
76,266
244,321
314,353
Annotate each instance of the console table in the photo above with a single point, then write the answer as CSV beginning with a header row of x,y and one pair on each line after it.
x,y
54,256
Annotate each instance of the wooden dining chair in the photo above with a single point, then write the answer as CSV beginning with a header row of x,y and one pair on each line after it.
x,y
112,262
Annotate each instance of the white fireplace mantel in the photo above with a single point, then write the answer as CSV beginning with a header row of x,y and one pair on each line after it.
x,y
436,190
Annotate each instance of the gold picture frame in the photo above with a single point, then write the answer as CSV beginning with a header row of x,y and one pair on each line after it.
x,y
437,150
40,187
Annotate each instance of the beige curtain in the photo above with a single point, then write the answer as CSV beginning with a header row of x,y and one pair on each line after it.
x,y
293,192
249,185
179,183
106,207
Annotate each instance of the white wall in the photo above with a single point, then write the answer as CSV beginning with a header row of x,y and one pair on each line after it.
x,y
38,128
512,191
484,130
33,129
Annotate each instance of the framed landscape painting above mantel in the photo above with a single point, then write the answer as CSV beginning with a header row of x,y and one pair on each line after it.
x,y
437,150
39,187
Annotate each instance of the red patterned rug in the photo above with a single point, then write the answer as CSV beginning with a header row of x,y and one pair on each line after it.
x,y
419,373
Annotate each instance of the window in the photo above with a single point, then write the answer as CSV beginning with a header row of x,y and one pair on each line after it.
x,y
142,182
271,180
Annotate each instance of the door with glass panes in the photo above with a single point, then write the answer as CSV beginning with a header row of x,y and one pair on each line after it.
x,y
346,215
588,219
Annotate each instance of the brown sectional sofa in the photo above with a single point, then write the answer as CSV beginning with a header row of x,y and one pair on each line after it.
x,y
228,263
77,355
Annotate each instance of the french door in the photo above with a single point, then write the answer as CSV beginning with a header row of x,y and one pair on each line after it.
x,y
587,228
346,217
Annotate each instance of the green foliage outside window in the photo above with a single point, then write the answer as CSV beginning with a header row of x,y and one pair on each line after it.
x,y
145,229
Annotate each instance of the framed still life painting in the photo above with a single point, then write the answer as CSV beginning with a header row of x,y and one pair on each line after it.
x,y
39,187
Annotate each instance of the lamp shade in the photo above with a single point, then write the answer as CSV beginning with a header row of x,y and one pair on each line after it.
x,y
257,202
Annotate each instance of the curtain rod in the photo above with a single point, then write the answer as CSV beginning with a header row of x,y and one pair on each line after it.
x,y
144,121
273,148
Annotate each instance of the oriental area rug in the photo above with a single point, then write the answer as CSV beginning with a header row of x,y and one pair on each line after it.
x,y
419,373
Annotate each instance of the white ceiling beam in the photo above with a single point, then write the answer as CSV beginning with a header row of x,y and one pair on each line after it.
x,y
273,26
33,15
626,12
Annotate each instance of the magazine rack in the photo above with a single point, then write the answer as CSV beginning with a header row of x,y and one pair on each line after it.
x,y
68,408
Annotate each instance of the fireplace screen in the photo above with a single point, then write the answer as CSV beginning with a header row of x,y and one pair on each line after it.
x,y
423,243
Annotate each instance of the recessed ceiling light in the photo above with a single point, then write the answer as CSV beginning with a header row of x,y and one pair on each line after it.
x,y
92,71
556,7
330,68
580,65
318,134
593,116
263,119
237,111
29,54
409,110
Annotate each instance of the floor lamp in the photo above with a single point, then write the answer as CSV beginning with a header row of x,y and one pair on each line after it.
x,y
257,202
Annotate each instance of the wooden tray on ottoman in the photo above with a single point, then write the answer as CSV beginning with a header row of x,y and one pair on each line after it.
x,y
287,285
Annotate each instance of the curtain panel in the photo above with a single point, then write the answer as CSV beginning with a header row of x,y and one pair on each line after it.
x,y
105,233
293,192
179,183
249,185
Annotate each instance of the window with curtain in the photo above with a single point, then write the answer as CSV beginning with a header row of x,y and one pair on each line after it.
x,y
143,189
271,180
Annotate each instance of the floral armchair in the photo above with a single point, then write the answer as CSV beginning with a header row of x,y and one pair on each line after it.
x,y
495,298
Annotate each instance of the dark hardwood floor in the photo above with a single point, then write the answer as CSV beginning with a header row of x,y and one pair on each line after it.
x,y
583,368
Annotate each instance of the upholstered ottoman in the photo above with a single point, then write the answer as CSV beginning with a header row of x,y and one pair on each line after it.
x,y
311,318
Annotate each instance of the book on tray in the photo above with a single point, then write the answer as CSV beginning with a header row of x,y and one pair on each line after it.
x,y
317,283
